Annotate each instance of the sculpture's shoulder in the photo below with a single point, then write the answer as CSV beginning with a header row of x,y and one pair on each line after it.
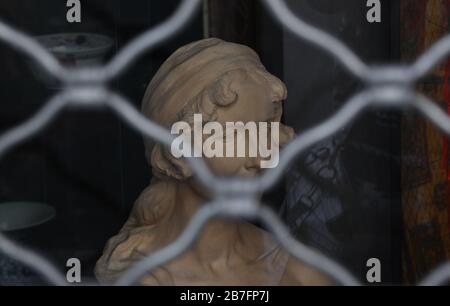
x,y
152,204
290,270
300,274
123,250
137,237
260,248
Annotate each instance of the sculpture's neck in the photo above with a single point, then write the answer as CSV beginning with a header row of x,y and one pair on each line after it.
x,y
218,238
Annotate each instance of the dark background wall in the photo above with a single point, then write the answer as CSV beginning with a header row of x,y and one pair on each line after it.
x,y
87,164
362,160
358,215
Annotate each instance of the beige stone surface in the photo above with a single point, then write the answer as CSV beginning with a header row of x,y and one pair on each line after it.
x,y
224,82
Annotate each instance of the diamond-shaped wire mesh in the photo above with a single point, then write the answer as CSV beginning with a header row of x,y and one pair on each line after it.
x,y
388,86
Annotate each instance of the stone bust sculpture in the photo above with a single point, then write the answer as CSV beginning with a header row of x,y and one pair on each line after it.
x,y
223,82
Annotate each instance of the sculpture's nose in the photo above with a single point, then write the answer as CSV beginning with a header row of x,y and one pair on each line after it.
x,y
286,134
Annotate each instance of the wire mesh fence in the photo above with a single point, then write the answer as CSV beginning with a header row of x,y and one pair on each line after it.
x,y
387,86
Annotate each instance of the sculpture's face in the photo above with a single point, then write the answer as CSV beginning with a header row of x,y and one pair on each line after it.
x,y
259,101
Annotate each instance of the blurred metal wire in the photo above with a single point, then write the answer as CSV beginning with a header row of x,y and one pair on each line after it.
x,y
389,86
